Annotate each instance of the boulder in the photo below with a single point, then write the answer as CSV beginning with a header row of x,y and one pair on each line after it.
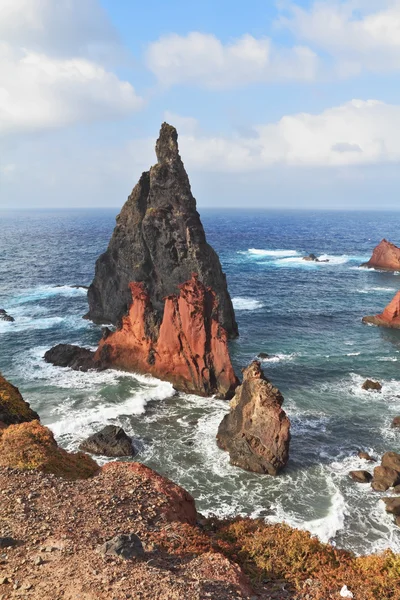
x,y
75,357
311,257
189,348
13,408
365,456
391,460
386,257
110,441
395,422
384,478
124,546
263,356
392,505
4,316
256,431
390,316
370,385
158,241
361,476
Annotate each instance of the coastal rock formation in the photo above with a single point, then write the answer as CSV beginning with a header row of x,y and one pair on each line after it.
x,y
386,257
256,431
110,441
158,241
370,385
13,408
4,316
312,258
390,316
189,348
361,476
75,357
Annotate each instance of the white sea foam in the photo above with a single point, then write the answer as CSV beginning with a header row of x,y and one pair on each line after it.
x,y
279,357
46,291
246,303
28,323
272,253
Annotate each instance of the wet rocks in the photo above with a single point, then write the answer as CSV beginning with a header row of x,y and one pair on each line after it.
x,y
395,423
256,431
189,348
75,357
110,441
123,546
361,476
13,408
158,241
371,385
4,316
392,505
365,456
386,257
390,316
313,258
385,478
391,460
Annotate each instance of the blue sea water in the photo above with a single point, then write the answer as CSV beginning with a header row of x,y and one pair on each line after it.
x,y
306,316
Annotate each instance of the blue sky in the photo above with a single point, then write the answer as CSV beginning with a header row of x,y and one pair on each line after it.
x,y
287,104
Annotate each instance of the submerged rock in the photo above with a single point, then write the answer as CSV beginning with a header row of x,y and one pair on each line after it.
x,y
361,476
158,241
13,408
189,348
256,431
392,505
110,441
365,456
371,385
4,316
390,316
386,257
312,258
75,357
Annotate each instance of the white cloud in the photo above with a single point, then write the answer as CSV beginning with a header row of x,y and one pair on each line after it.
x,y
48,75
356,133
358,35
202,59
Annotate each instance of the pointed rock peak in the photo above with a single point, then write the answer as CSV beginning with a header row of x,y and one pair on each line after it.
x,y
167,144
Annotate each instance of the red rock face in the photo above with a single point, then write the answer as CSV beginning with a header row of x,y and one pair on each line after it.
x,y
386,256
390,316
191,349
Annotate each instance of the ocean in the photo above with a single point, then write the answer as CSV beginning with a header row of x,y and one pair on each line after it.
x,y
306,316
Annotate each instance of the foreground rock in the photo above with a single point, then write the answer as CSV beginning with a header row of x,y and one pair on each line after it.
x,y
75,357
125,546
110,441
390,316
190,348
256,431
158,241
371,385
361,476
13,408
386,257
4,316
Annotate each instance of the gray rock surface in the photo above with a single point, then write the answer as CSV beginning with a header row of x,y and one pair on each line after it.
x,y
159,240
110,441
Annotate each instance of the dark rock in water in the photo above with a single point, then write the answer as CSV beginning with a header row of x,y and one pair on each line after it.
x,y
371,385
366,456
123,546
158,241
392,505
263,356
13,408
110,441
385,478
256,432
312,258
361,476
68,355
396,422
4,316
391,460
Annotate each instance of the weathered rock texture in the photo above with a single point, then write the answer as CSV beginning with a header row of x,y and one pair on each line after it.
x,y
68,355
13,408
390,316
386,257
256,431
110,441
189,349
158,240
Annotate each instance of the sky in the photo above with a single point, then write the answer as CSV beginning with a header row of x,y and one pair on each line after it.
x,y
287,104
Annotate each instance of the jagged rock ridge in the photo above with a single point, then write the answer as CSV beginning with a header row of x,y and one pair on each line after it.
x,y
390,316
158,240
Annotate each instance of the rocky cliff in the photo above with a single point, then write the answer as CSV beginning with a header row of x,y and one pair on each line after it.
x,y
390,316
256,431
189,348
13,408
386,256
158,241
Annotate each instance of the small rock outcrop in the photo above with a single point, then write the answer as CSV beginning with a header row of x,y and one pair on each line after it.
x,y
312,258
370,385
4,316
75,357
361,476
159,241
189,348
124,546
386,257
396,423
365,456
13,408
390,316
110,441
256,431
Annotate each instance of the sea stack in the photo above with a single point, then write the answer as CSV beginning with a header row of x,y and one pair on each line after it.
x,y
390,316
256,431
386,257
158,241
